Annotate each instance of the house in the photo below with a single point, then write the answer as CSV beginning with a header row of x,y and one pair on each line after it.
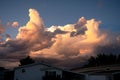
x,y
6,74
108,72
42,71
2,73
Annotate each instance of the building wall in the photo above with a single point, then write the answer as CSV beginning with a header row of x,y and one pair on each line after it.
x,y
116,76
96,77
35,72
1,75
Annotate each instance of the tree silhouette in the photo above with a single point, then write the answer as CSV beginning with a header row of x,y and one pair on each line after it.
x,y
118,59
25,61
92,61
2,68
103,59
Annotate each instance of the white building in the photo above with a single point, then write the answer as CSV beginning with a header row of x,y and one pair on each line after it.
x,y
35,71
41,71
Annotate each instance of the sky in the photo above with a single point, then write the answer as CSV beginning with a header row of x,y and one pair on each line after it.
x,y
61,32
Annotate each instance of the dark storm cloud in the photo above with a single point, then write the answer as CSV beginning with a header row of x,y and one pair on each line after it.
x,y
80,27
13,49
66,63
112,48
58,31
11,52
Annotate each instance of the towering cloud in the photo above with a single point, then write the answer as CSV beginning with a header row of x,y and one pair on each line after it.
x,y
70,42
34,32
78,39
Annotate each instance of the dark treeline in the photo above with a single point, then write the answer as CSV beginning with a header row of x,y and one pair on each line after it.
x,y
93,61
103,59
26,60
2,68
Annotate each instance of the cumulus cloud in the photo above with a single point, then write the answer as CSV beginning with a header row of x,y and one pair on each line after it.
x,y
34,32
13,24
63,44
86,36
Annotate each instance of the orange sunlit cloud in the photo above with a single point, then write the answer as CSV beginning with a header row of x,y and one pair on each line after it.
x,y
60,41
71,41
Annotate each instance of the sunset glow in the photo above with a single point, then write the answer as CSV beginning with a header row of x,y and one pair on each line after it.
x,y
61,33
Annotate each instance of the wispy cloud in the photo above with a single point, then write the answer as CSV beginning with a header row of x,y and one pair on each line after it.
x,y
2,29
13,24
